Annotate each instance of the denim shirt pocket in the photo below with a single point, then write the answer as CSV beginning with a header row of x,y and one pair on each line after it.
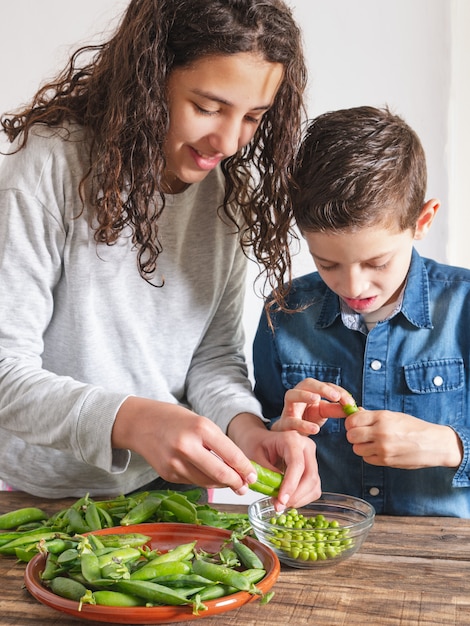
x,y
435,390
294,373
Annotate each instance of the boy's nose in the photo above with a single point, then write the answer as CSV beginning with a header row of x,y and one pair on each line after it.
x,y
354,283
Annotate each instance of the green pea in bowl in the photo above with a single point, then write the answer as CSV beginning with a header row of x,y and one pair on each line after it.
x,y
319,534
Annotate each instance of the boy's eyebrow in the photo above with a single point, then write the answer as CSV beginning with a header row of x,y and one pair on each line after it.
x,y
215,98
374,258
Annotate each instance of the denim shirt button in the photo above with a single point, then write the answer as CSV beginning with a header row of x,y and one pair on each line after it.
x,y
438,381
376,365
374,491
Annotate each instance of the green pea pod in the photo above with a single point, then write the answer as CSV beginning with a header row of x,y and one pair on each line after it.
x,y
229,557
68,556
7,537
28,539
268,482
215,591
90,566
67,588
76,522
254,574
246,555
221,574
124,555
183,580
116,570
142,512
129,540
16,518
154,569
106,518
51,569
180,553
92,517
24,555
153,592
183,510
116,598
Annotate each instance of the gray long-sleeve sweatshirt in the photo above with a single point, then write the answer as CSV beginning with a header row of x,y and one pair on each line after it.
x,y
80,330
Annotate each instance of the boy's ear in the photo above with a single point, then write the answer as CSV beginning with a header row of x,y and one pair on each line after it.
x,y
426,217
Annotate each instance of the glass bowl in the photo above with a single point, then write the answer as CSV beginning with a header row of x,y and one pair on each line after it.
x,y
319,534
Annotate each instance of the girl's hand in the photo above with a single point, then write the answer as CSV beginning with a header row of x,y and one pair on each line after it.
x,y
181,446
309,404
287,452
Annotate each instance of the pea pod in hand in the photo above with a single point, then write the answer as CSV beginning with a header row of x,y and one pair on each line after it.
x,y
268,482
350,408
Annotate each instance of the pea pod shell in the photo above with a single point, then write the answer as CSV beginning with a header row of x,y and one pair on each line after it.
x,y
67,588
221,574
152,570
16,518
153,592
116,598
247,556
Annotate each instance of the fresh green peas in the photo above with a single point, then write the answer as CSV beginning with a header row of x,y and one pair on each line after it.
x,y
308,539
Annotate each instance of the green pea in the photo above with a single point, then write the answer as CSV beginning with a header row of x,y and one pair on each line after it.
x,y
324,539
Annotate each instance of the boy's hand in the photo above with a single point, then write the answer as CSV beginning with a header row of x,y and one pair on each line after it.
x,y
399,440
309,404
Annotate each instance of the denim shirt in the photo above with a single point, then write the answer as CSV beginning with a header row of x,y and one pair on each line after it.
x,y
416,362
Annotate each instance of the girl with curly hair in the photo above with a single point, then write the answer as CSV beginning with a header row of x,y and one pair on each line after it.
x,y
135,185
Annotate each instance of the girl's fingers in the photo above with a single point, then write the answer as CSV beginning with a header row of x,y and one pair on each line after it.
x,y
302,426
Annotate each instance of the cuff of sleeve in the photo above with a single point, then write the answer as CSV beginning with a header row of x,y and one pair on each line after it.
x,y
94,428
462,475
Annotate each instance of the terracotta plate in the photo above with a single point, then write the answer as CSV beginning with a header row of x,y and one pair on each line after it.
x,y
164,537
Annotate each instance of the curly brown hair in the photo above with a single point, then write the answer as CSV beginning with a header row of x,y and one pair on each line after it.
x,y
117,91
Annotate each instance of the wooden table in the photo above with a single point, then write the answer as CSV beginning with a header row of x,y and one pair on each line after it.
x,y
410,572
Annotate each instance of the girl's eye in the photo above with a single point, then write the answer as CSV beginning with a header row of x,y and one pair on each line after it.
x,y
253,120
205,111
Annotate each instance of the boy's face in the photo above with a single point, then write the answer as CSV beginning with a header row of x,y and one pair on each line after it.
x,y
367,268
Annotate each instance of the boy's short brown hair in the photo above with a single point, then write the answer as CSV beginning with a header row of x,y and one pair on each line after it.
x,y
359,167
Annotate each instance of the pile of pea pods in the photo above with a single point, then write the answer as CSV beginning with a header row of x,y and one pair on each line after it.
x,y
121,570
23,529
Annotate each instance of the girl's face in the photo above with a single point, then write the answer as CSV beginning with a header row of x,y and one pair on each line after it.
x,y
215,107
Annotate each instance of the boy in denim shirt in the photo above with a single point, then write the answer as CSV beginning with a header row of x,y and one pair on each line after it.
x,y
375,319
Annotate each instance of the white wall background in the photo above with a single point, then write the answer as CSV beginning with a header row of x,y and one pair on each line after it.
x,y
413,55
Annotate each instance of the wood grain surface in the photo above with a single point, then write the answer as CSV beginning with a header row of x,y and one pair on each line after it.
x,y
411,571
